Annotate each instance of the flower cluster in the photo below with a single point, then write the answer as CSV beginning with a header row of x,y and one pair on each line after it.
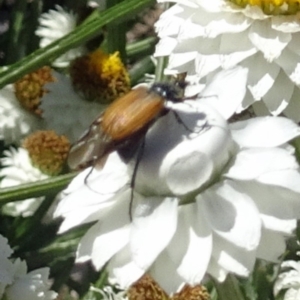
x,y
17,283
168,190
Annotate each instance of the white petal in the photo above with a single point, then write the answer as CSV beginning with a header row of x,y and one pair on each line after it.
x,y
251,163
226,91
223,23
233,53
165,46
232,258
232,214
122,271
154,224
289,62
277,99
99,189
161,272
215,270
276,224
281,205
272,245
205,64
292,110
268,40
289,179
262,77
170,21
286,23
106,237
264,131
182,62
192,244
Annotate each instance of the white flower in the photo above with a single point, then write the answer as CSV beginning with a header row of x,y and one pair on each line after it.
x,y
201,37
6,266
29,286
15,121
289,280
16,283
208,197
64,111
54,25
18,169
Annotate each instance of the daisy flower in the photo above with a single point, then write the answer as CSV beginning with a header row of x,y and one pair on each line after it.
x,y
43,154
54,25
15,121
32,285
6,266
16,283
289,280
201,37
64,111
209,197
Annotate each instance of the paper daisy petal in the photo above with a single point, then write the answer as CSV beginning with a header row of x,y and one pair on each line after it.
x,y
161,271
216,270
191,245
122,269
232,258
272,245
264,131
240,223
269,199
106,237
251,163
289,179
151,216
267,40
217,95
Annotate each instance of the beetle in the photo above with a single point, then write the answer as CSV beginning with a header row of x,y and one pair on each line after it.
x,y
123,124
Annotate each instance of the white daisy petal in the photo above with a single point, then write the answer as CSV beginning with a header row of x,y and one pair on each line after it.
x,y
161,270
240,222
264,132
217,95
106,237
193,236
152,215
267,40
251,163
122,270
272,245
232,258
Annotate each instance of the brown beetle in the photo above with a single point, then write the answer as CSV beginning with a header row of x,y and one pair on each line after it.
x,y
123,124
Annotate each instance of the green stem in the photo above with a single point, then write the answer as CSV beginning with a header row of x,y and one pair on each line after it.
x,y
141,48
13,45
80,35
160,67
229,289
116,35
35,189
32,39
138,71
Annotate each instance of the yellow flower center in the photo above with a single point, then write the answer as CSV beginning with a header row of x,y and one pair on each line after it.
x,y
30,89
47,151
272,7
100,77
